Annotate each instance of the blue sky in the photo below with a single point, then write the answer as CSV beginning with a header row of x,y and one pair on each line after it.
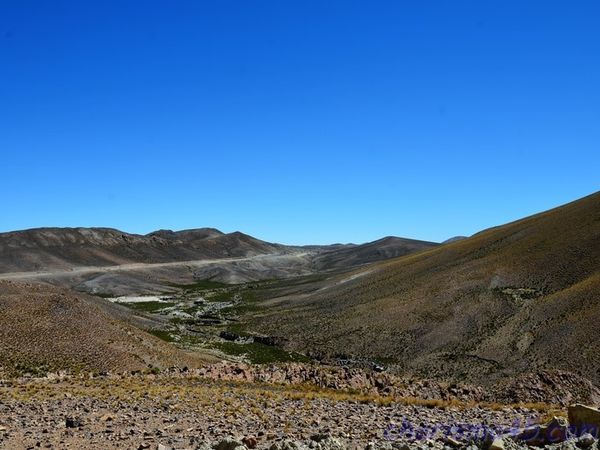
x,y
296,121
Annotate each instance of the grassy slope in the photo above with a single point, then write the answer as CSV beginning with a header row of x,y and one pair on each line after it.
x,y
448,312
46,328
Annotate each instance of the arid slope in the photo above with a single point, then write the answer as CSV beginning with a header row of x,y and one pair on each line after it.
x,y
512,299
46,328
63,248
379,250
108,260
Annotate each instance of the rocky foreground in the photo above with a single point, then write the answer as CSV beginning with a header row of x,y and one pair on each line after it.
x,y
227,408
189,413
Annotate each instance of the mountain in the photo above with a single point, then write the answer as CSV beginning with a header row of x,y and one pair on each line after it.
x,y
512,299
47,328
106,260
192,235
357,255
64,248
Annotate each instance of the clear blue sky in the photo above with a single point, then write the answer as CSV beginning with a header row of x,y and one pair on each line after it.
x,y
296,121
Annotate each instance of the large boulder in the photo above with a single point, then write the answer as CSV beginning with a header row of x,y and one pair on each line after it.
x,y
552,432
585,441
584,419
497,444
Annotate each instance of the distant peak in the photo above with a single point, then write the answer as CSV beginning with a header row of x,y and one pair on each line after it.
x,y
161,232
192,232
454,239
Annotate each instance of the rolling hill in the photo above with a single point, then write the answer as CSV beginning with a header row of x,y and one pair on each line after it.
x,y
512,299
44,328
358,255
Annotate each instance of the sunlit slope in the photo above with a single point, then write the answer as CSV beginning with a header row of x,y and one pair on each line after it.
x,y
511,299
62,248
46,328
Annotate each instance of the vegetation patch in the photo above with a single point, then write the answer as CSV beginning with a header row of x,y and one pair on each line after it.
x,y
165,335
200,285
259,353
103,294
150,307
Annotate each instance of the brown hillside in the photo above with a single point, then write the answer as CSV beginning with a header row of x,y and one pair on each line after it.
x,y
45,328
379,250
63,248
107,260
512,299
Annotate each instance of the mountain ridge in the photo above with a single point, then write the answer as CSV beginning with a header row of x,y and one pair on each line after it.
x,y
513,298
46,247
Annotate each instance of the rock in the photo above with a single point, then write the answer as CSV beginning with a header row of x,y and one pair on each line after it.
x,y
497,444
332,443
552,432
318,437
529,435
378,368
451,442
585,441
107,418
163,447
584,419
72,422
326,442
287,445
250,441
379,446
229,444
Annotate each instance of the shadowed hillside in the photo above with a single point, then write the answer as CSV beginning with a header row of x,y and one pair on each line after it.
x,y
512,299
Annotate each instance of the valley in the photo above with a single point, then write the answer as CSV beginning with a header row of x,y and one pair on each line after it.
x,y
109,339
299,225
